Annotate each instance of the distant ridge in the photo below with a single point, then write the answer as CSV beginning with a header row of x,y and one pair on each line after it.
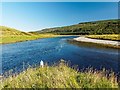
x,y
86,28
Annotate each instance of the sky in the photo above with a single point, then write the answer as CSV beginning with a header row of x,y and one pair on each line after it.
x,y
60,0
32,16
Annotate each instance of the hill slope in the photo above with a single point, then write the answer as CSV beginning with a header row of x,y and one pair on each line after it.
x,y
11,35
86,28
7,31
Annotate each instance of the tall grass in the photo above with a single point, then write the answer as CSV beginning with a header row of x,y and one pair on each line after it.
x,y
60,76
115,37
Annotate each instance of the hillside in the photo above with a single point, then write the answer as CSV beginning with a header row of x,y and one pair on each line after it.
x,y
11,35
7,31
86,28
60,76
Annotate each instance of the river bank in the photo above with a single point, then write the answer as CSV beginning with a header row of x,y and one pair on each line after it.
x,y
108,43
15,39
60,76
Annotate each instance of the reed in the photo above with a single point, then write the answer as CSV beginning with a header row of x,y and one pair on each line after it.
x,y
60,76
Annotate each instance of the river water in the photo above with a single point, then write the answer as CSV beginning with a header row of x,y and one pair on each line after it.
x,y
20,55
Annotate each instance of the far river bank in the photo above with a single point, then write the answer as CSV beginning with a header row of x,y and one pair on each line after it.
x,y
107,43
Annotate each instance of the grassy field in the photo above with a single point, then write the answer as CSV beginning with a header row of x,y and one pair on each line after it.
x,y
10,35
115,37
60,76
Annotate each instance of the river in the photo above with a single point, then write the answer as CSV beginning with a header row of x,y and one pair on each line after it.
x,y
17,56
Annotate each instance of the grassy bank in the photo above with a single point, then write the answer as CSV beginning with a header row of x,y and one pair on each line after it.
x,y
115,37
59,76
11,35
20,38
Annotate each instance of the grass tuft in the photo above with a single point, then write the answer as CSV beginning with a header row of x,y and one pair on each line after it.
x,y
59,76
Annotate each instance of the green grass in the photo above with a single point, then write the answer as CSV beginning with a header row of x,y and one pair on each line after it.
x,y
19,38
60,76
10,35
115,37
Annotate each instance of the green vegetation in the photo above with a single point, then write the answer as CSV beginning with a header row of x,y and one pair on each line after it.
x,y
87,28
10,35
60,76
114,37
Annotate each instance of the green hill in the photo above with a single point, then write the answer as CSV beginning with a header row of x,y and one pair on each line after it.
x,y
11,35
86,28
7,31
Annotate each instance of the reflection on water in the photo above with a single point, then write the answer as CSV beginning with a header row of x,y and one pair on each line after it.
x,y
93,46
50,50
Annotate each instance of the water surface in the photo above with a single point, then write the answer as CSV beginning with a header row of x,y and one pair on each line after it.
x,y
18,55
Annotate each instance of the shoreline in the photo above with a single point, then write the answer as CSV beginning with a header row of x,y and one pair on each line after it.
x,y
24,40
108,43
35,39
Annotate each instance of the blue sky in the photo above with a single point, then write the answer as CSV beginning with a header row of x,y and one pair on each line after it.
x,y
60,0
30,16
